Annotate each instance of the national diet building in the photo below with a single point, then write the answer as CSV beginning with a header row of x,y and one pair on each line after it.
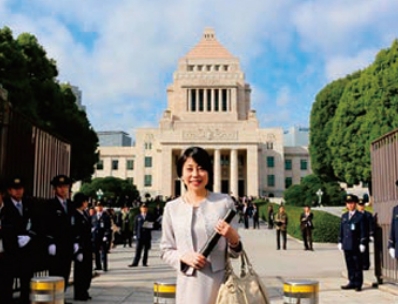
x,y
208,105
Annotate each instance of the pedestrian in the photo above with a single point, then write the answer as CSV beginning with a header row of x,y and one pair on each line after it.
x,y
246,214
306,227
83,264
270,216
59,229
352,239
393,238
144,223
369,230
101,235
158,216
126,222
188,221
281,221
256,217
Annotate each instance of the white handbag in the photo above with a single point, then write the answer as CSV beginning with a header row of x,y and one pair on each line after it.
x,y
244,289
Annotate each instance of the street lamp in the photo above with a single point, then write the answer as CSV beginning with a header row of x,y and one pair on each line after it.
x,y
319,193
99,194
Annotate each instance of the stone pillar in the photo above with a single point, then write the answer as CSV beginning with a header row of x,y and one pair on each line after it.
x,y
217,171
234,189
213,106
252,171
166,185
204,100
197,99
220,99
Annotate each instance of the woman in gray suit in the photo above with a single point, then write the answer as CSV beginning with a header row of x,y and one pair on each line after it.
x,y
187,223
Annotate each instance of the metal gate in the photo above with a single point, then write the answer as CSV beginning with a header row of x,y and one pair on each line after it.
x,y
384,159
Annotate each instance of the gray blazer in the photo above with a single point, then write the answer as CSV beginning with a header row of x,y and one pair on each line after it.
x,y
177,235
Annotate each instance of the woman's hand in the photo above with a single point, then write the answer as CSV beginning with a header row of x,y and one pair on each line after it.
x,y
227,231
194,259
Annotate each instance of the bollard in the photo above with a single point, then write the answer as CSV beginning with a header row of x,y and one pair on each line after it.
x,y
49,290
300,292
164,292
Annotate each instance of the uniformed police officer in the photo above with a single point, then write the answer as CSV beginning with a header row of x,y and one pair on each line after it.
x,y
83,265
393,239
143,225
59,229
102,235
19,235
352,239
369,230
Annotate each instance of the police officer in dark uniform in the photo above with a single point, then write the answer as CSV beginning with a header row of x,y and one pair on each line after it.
x,y
369,230
393,238
59,229
18,236
102,234
83,265
143,225
352,240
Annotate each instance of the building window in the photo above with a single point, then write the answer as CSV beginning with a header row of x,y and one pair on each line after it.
x,y
216,68
148,162
224,160
270,162
130,180
224,100
271,180
288,164
193,100
190,68
208,67
148,181
148,146
100,165
303,164
200,67
226,68
130,164
288,182
269,145
115,164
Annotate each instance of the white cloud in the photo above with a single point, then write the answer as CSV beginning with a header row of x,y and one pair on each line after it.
x,y
340,66
283,96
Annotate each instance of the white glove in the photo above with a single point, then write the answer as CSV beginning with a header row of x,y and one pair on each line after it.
x,y
52,249
23,240
104,239
371,239
392,252
75,247
340,246
79,257
362,248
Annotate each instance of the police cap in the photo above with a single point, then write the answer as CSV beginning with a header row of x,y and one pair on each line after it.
x,y
61,180
15,183
351,198
361,202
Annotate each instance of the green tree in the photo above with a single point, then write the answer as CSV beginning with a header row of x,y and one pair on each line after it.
x,y
30,79
118,190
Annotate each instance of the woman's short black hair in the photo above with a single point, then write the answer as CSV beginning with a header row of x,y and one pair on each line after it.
x,y
79,198
202,158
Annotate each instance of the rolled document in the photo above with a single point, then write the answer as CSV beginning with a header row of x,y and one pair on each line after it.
x,y
213,239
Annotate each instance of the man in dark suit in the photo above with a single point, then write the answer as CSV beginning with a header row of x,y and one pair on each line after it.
x,y
59,229
18,236
143,225
102,234
352,239
306,226
83,265
369,230
393,238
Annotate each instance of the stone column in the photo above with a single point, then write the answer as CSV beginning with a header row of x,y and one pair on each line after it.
x,y
197,100
233,188
204,100
252,170
217,171
213,106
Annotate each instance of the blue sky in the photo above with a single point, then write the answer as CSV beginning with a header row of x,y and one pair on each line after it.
x,y
122,53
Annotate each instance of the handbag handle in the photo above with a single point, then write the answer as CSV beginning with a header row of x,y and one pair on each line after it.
x,y
245,264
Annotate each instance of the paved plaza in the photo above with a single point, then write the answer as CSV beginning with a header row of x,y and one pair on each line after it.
x,y
325,265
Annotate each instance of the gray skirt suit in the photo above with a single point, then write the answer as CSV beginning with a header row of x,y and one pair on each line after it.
x,y
185,229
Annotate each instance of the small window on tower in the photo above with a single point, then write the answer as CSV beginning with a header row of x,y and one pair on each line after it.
x,y
190,68
216,67
200,67
226,68
208,68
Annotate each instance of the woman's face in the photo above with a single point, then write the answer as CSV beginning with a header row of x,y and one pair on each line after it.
x,y
194,176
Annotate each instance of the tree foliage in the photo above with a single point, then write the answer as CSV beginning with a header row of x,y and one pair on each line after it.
x,y
349,114
116,190
305,192
30,79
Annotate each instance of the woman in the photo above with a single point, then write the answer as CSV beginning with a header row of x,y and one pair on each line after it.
x,y
187,223
270,216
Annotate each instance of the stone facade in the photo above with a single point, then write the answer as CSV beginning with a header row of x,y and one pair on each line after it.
x,y
209,106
